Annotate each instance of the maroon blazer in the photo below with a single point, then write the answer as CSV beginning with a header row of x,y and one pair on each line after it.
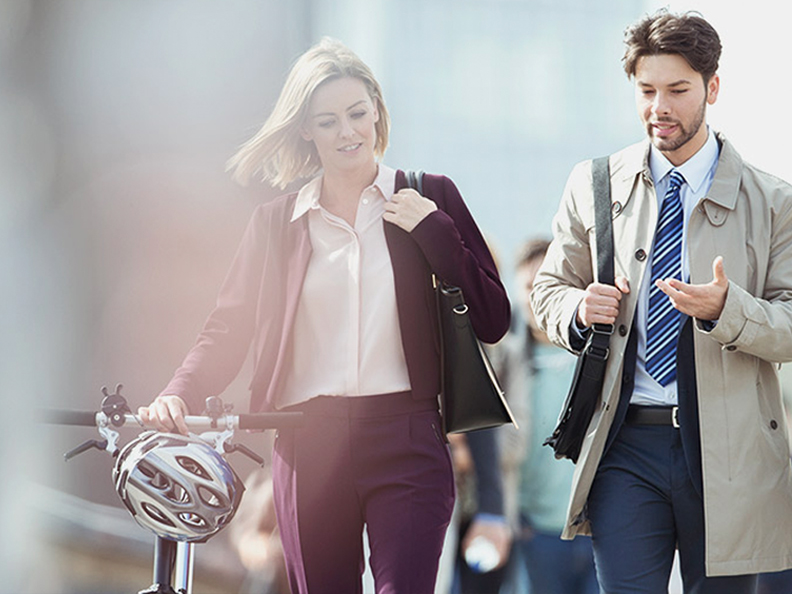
x,y
258,299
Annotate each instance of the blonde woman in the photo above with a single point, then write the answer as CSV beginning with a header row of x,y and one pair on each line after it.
x,y
332,286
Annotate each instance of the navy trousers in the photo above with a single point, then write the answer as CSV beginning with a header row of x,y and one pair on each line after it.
x,y
642,507
374,460
558,566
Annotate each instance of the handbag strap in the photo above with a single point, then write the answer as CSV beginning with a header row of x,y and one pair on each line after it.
x,y
603,231
415,180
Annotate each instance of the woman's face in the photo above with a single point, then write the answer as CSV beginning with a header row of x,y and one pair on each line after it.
x,y
340,123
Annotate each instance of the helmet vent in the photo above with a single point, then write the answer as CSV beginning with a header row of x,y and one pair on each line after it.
x,y
192,519
177,494
209,497
147,469
191,465
156,514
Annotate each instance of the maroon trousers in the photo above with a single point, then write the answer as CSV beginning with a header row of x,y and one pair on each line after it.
x,y
374,460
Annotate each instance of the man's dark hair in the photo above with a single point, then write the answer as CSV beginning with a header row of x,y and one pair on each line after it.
x,y
531,250
687,35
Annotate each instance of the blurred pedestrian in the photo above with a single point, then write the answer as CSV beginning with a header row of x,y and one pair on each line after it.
x,y
485,534
254,536
554,566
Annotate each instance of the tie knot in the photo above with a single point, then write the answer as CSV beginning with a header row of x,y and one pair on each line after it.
x,y
675,180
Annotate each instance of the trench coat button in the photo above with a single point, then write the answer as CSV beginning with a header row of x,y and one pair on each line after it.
x,y
622,330
640,255
774,424
731,347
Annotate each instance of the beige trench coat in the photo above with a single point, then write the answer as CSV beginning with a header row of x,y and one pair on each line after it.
x,y
746,218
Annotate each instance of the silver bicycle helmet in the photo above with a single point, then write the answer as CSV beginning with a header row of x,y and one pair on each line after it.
x,y
178,487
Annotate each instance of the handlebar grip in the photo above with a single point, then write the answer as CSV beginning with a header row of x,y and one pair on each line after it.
x,y
277,420
85,418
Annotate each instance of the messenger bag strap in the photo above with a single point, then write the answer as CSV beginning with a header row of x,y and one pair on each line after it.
x,y
603,228
603,231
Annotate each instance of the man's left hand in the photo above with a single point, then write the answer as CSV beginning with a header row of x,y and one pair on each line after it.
x,y
703,302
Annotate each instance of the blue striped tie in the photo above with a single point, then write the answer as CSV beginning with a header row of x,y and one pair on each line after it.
x,y
663,321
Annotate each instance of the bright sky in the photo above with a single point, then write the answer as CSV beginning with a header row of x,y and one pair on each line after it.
x,y
754,101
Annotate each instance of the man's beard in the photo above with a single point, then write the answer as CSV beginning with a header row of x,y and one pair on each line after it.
x,y
670,145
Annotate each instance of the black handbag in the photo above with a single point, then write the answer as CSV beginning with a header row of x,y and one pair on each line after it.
x,y
586,389
470,396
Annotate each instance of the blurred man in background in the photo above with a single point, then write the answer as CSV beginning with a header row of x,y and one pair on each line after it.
x,y
541,373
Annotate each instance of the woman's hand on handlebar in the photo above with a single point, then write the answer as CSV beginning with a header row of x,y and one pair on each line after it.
x,y
166,413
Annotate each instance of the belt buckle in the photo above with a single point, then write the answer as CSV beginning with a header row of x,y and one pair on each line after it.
x,y
675,417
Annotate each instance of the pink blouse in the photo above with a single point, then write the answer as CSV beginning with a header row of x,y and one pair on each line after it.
x,y
346,340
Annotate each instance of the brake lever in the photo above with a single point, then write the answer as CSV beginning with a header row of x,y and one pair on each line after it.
x,y
84,447
243,449
106,426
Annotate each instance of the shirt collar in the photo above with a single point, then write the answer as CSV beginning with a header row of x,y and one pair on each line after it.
x,y
308,196
385,181
695,170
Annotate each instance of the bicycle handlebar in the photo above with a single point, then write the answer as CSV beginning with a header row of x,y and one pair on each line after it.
x,y
70,417
198,423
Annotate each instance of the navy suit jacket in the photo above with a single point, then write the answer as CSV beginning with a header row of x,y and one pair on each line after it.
x,y
686,398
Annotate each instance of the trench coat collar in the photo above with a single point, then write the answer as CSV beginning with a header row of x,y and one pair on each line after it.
x,y
723,193
725,188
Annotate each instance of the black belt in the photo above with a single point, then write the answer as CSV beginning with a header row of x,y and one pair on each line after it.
x,y
652,415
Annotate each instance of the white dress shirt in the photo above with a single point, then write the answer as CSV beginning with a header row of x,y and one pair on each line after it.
x,y
347,340
698,172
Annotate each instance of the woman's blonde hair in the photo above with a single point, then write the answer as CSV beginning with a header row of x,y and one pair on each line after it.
x,y
278,150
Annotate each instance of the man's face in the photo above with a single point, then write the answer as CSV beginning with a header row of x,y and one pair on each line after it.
x,y
672,101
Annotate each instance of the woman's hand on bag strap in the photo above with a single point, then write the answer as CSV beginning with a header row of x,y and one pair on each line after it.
x,y
407,208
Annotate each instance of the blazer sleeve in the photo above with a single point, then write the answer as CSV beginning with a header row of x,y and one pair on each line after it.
x,y
456,251
221,347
